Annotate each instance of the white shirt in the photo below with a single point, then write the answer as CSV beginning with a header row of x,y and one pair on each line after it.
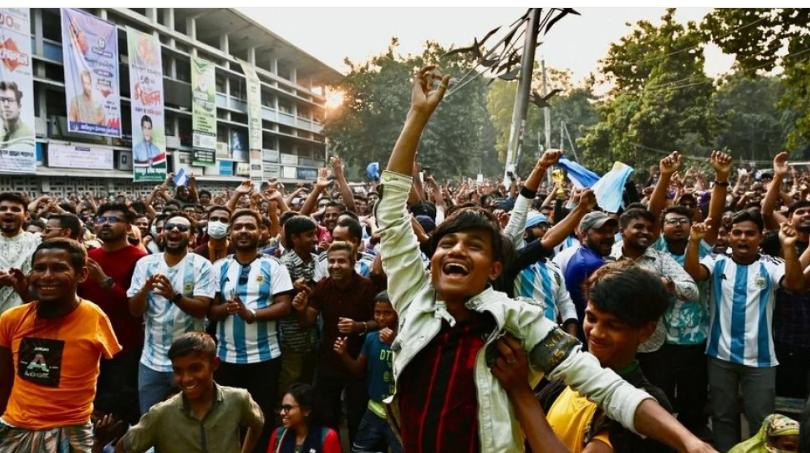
x,y
16,253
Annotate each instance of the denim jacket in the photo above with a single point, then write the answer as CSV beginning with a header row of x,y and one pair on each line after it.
x,y
550,350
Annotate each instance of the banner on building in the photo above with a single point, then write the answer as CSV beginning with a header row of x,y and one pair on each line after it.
x,y
80,156
146,94
204,111
17,138
254,107
90,54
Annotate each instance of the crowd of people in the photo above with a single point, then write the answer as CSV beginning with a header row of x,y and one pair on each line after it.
x,y
406,315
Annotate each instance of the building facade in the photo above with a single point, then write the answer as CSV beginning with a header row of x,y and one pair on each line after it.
x,y
292,100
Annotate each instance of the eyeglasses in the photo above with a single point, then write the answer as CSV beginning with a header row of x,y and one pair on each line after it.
x,y
180,227
677,221
286,408
108,219
8,99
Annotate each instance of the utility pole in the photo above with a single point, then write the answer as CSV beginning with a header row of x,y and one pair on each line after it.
x,y
522,96
546,115
562,135
570,142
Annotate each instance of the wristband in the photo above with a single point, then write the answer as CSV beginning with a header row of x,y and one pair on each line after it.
x,y
721,183
177,298
253,312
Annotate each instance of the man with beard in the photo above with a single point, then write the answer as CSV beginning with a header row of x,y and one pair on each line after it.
x,y
111,267
172,290
49,357
791,316
252,294
679,366
345,300
64,225
16,248
637,227
599,231
740,344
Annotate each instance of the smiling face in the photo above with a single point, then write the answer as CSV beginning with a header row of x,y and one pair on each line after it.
x,y
341,265
245,232
177,234
744,239
611,340
303,242
801,219
292,414
463,264
384,315
638,233
194,374
330,217
601,239
53,277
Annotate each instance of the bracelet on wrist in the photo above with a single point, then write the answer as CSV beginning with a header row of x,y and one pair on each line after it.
x,y
721,183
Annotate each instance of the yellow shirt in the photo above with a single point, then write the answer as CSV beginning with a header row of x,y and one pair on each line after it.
x,y
570,417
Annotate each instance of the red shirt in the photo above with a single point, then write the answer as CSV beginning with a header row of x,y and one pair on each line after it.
x,y
119,265
437,394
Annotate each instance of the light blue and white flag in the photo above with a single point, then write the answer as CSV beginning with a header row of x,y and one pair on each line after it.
x,y
610,187
181,178
580,176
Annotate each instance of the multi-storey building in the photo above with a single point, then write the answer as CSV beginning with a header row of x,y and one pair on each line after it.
x,y
292,96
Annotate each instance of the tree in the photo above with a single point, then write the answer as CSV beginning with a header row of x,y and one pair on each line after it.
x,y
755,37
459,139
660,97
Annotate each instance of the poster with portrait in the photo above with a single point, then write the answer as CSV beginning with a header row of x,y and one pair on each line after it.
x,y
146,94
17,137
203,111
90,54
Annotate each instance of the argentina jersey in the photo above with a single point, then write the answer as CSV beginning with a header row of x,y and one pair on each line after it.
x,y
741,319
255,284
165,321
544,282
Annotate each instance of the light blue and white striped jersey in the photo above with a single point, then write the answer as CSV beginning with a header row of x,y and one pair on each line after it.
x,y
256,284
362,266
543,282
740,327
568,242
164,320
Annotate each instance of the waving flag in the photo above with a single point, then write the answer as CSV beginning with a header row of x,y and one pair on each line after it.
x,y
580,176
610,187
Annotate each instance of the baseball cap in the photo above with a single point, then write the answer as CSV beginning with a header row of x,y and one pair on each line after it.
x,y
595,219
535,219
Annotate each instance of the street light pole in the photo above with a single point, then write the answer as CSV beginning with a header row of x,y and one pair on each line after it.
x,y
522,96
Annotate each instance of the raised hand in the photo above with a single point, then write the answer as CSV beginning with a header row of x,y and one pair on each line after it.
x,y
96,272
780,164
424,96
549,158
244,187
337,165
340,345
670,164
787,235
587,200
387,335
699,230
323,180
721,162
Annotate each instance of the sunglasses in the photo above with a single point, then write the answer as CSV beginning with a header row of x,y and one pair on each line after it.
x,y
179,226
108,219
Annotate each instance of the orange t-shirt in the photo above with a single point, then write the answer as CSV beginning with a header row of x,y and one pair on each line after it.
x,y
56,364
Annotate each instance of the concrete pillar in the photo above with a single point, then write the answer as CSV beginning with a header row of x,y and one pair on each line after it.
x,y
151,14
274,65
39,45
191,28
293,74
251,56
102,13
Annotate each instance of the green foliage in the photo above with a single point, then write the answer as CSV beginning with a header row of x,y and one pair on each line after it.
x,y
660,98
458,141
755,36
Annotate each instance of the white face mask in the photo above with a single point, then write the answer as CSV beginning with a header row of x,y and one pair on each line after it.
x,y
217,230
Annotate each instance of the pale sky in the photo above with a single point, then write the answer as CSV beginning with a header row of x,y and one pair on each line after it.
x,y
575,43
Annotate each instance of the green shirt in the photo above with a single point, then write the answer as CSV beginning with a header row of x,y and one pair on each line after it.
x,y
171,427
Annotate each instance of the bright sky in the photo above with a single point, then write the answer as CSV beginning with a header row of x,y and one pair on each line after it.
x,y
575,43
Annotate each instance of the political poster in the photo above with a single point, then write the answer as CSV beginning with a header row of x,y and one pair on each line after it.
x,y
17,137
203,111
254,110
90,54
146,94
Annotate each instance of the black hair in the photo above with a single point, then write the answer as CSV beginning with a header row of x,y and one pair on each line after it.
x,y
632,294
193,342
296,225
635,213
287,215
139,207
677,209
749,215
797,205
129,216
304,395
69,221
334,204
425,208
146,119
180,214
350,214
476,218
203,192
36,222
68,206
9,85
220,208
15,197
382,296
354,227
78,256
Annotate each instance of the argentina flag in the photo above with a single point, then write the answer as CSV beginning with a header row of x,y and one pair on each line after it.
x,y
610,187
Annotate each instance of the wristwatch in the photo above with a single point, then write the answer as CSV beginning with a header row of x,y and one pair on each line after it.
x,y
177,298
253,312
